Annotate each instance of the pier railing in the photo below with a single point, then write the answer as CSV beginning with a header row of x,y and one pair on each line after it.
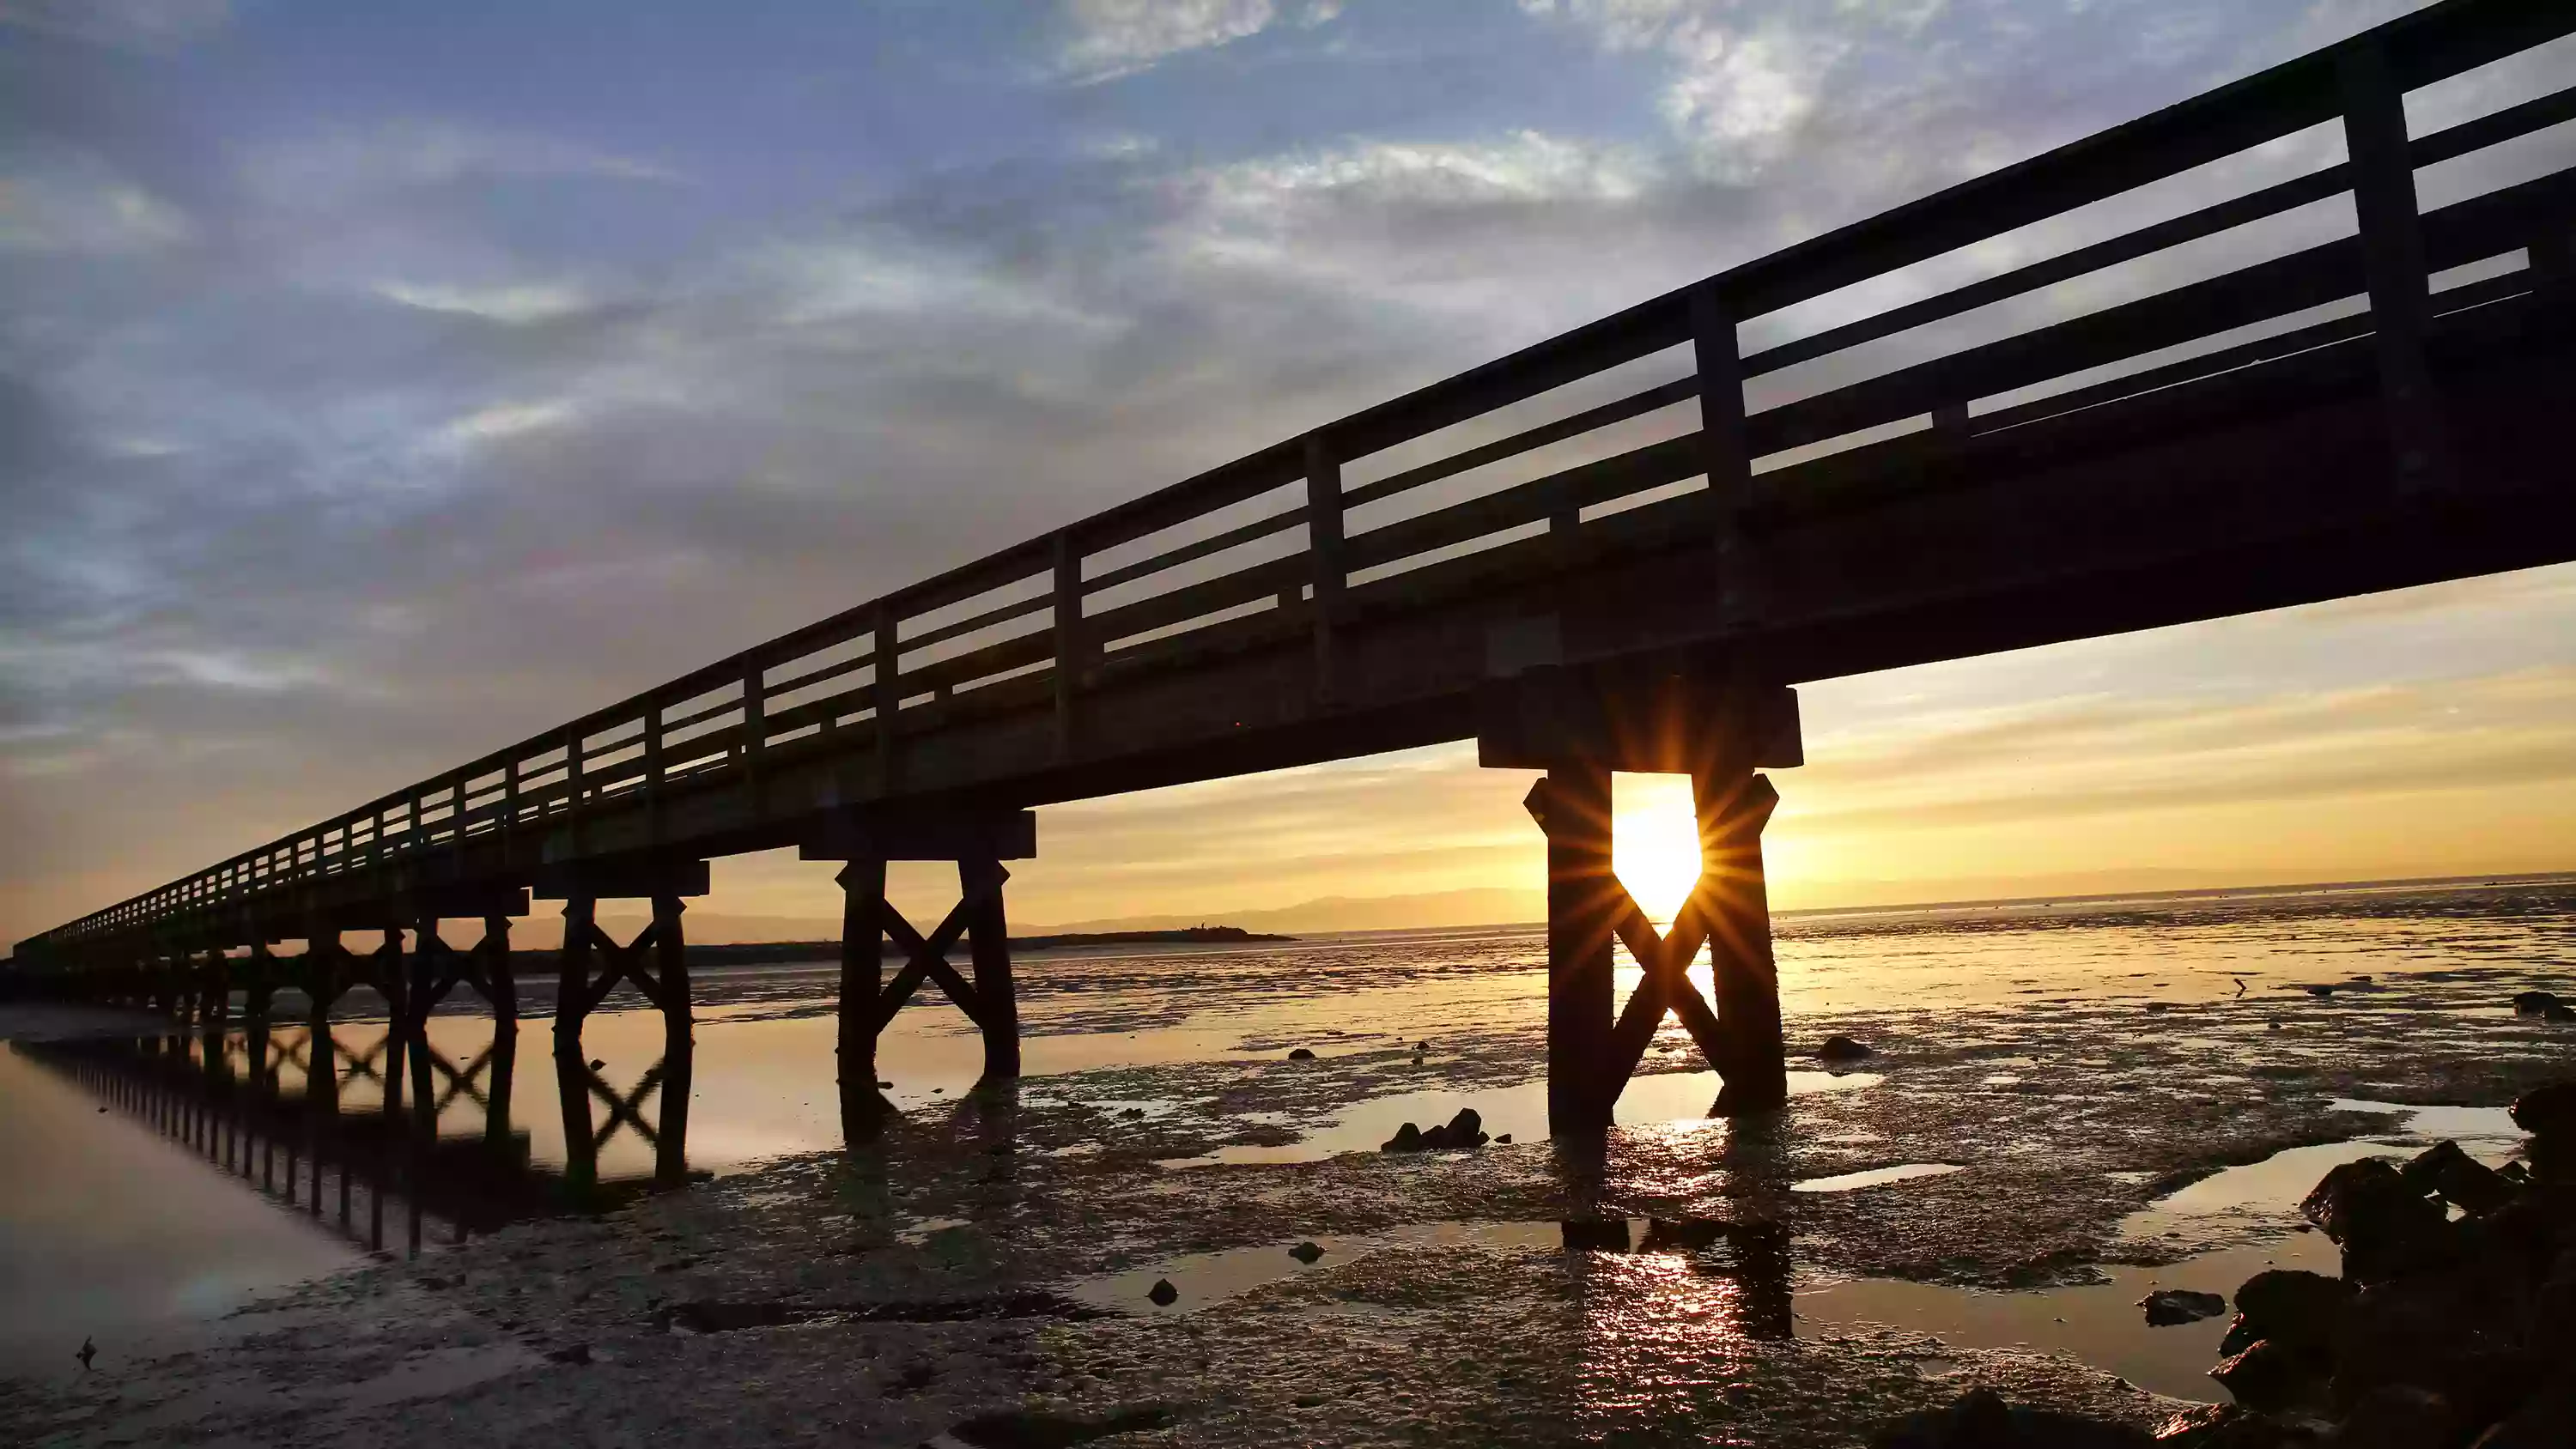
x,y
1894,337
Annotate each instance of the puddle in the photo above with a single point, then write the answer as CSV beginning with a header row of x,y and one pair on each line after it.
x,y
2098,1323
1518,1112
1851,1181
2431,1124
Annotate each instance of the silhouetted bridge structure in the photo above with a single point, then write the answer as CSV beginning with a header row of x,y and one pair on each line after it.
x,y
1617,549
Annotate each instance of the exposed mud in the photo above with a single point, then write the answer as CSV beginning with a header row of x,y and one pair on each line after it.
x,y
955,1269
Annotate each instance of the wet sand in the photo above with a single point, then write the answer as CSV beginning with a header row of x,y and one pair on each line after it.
x,y
993,1254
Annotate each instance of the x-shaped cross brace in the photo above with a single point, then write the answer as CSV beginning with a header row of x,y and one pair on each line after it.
x,y
630,962
1665,959
927,957
626,1111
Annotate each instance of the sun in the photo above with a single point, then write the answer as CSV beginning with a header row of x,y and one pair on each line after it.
x,y
1654,841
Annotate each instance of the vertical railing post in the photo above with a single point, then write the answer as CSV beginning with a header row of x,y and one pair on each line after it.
x,y
1724,452
755,729
887,689
653,771
509,806
1325,551
456,820
1072,645
2553,257
2392,252
573,745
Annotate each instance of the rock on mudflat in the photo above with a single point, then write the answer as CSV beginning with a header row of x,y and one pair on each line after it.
x,y
2442,1333
2547,1111
2268,1377
2458,1178
1467,1129
1305,1252
2384,1226
1301,1054
2291,1307
1982,1420
2168,1306
1163,1294
1840,1048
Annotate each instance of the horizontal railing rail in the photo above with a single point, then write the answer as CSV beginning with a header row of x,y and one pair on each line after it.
x,y
1470,474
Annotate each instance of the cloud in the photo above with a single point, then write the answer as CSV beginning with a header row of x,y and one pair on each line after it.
x,y
1740,80
1109,38
350,164
508,303
133,24
416,452
79,204
505,420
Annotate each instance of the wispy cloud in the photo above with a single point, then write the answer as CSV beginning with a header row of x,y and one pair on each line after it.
x,y
138,24
344,164
79,204
1113,37
509,303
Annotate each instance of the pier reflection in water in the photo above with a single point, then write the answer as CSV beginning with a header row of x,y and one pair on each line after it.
x,y
424,1139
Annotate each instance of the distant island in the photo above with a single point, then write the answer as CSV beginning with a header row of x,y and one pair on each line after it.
x,y
1186,936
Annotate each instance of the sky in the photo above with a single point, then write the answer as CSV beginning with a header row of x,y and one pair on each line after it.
x,y
383,384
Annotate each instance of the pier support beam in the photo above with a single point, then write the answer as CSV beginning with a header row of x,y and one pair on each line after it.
x,y
1581,728
977,844
593,964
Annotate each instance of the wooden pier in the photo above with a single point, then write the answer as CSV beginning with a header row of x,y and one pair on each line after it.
x,y
1594,554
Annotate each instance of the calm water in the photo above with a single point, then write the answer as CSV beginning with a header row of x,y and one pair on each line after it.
x,y
110,1226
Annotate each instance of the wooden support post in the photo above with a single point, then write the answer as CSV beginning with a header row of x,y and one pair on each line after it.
x,y
500,987
259,988
1724,450
572,1072
1735,903
863,907
431,972
2392,249
1325,551
679,1050
1572,805
390,983
980,884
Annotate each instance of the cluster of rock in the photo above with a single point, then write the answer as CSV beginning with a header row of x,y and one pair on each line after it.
x,y
2444,1332
2444,1329
1467,1129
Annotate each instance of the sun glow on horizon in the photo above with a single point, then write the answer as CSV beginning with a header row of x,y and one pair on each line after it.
x,y
1654,840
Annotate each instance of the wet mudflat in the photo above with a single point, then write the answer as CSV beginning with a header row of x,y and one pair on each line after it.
x,y
999,1252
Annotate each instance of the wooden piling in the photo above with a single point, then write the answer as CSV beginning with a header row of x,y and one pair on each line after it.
x,y
1582,896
